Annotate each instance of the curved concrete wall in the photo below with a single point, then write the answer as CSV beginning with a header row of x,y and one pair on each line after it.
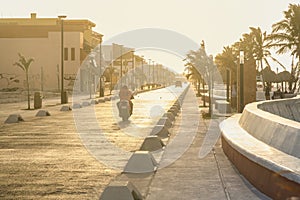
x,y
275,123
265,147
289,108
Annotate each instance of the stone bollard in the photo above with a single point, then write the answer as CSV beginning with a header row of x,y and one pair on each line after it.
x,y
76,106
121,190
161,131
65,108
152,143
42,113
165,121
85,104
141,162
14,118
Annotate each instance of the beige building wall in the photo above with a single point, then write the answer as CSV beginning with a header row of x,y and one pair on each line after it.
x,y
40,38
46,53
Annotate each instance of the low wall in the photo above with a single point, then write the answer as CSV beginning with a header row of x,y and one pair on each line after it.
x,y
287,108
265,147
274,123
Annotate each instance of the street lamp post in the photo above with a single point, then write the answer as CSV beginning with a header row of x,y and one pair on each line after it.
x,y
163,76
101,91
153,72
210,84
111,71
142,70
227,84
90,79
133,69
63,97
121,64
241,81
277,76
157,76
142,64
149,70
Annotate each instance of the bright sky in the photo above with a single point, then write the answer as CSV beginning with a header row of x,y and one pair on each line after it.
x,y
218,22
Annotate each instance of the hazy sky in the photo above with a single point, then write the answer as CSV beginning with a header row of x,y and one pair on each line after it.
x,y
218,22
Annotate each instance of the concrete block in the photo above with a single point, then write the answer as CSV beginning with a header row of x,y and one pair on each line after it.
x,y
152,143
101,100
161,131
94,102
165,121
42,113
85,104
169,115
14,118
223,106
65,108
176,108
114,97
174,111
177,105
121,190
76,106
141,162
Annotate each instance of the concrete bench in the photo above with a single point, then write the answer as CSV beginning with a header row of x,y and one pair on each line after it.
x,y
205,97
223,106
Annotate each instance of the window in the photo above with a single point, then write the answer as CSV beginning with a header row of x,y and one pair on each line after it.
x,y
72,53
65,53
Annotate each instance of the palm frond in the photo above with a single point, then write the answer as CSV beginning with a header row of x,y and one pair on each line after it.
x,y
19,65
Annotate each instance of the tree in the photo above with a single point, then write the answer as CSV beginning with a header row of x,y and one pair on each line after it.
x,y
194,74
285,37
24,64
261,53
227,60
202,67
261,48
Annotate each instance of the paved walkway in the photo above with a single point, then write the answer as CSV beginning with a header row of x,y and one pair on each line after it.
x,y
44,158
193,176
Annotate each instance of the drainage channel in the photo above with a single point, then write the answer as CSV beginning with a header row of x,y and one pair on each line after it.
x,y
221,175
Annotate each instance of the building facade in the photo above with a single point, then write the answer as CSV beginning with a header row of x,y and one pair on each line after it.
x,y
40,39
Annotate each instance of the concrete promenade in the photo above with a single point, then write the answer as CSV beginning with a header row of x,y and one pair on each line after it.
x,y
192,177
44,158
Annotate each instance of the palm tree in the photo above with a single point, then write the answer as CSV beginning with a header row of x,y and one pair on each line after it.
x,y
228,60
202,67
261,53
24,64
285,37
193,74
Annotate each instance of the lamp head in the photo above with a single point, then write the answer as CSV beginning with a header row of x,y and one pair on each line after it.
x,y
242,57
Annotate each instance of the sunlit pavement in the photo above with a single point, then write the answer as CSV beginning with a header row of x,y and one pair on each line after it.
x,y
74,155
44,157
